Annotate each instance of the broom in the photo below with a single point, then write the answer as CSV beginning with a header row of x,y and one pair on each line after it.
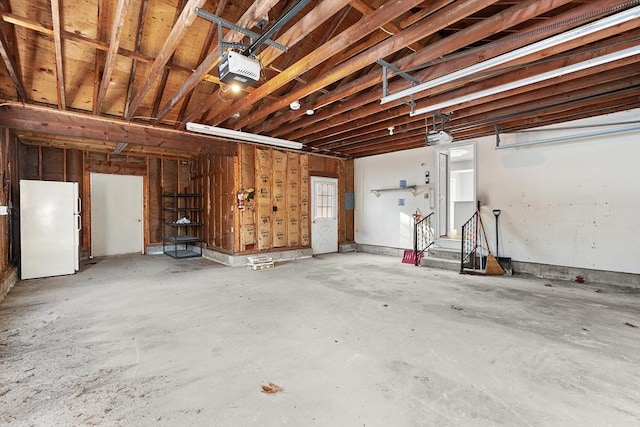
x,y
493,268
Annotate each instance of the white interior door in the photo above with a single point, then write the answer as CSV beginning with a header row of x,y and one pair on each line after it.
x,y
324,215
443,194
116,214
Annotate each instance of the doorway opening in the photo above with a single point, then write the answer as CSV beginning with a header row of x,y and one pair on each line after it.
x,y
456,188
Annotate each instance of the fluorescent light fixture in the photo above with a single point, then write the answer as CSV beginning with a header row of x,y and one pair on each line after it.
x,y
120,147
242,136
567,36
604,59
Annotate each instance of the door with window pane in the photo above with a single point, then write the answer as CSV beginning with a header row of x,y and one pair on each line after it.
x,y
324,215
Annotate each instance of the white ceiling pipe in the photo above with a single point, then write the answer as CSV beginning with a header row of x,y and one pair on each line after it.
x,y
635,50
565,37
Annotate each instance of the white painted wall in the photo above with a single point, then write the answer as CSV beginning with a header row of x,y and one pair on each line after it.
x,y
573,203
379,220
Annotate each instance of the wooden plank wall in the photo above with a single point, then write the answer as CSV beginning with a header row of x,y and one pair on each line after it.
x,y
9,184
277,214
160,175
213,177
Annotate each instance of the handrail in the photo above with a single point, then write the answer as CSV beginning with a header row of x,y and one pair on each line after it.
x,y
423,236
472,256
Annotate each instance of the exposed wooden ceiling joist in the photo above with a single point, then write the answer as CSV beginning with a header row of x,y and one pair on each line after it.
x,y
159,70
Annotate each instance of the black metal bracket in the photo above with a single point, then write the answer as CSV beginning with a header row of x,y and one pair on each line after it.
x,y
386,67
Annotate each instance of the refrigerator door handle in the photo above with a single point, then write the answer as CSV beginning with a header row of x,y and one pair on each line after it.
x,y
79,205
79,222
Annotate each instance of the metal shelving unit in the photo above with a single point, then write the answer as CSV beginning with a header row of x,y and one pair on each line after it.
x,y
182,224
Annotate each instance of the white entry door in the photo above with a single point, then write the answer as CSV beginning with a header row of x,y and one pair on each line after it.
x,y
116,214
324,215
443,194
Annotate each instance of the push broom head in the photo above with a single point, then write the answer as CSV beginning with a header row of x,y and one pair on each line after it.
x,y
493,268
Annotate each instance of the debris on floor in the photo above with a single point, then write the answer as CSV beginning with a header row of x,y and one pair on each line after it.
x,y
272,388
548,285
630,324
456,307
579,279
259,262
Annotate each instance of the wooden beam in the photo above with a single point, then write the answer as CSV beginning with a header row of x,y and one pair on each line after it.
x,y
48,121
175,37
305,26
134,63
97,44
116,168
391,28
346,38
165,73
57,42
510,17
10,62
252,16
204,51
116,32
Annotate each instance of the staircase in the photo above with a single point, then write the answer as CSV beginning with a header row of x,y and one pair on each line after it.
x,y
443,254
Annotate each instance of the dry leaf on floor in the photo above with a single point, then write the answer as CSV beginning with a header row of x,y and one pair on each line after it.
x,y
271,388
630,324
548,285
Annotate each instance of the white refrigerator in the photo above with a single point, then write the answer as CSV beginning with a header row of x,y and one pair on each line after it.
x,y
49,228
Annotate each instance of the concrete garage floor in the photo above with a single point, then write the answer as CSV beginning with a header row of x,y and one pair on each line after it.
x,y
354,340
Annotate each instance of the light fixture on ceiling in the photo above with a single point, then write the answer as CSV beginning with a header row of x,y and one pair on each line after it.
x,y
565,37
604,59
391,128
120,147
295,105
242,136
310,112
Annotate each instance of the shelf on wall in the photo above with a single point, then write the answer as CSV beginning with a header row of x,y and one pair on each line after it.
x,y
412,188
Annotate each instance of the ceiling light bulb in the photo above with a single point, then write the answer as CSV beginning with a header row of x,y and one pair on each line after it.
x,y
310,112
391,128
235,88
295,105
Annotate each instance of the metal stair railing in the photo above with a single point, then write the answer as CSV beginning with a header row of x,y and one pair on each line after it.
x,y
423,236
473,251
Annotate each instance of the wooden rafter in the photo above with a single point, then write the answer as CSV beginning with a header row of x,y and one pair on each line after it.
x,y
8,56
57,42
165,73
175,37
114,43
387,47
56,122
250,18
134,65
506,19
206,48
314,19
337,44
